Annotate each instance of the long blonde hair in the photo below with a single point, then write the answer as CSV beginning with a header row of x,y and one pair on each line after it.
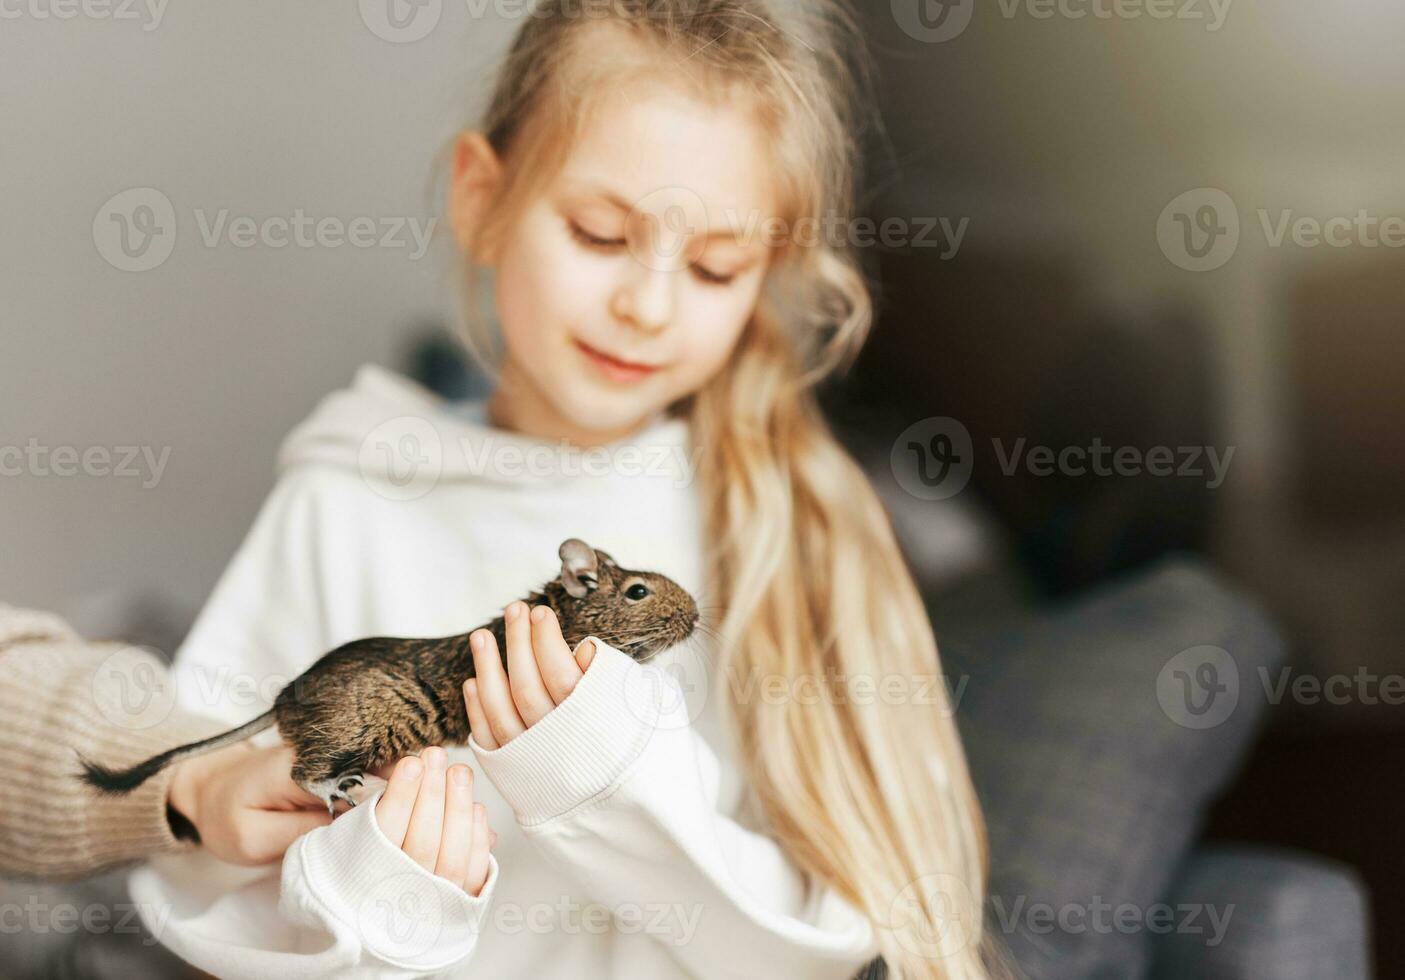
x,y
872,799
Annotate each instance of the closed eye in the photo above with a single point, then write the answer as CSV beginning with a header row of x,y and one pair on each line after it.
x,y
611,244
586,238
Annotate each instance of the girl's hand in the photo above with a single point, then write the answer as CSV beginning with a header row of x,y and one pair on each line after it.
x,y
429,814
243,802
541,671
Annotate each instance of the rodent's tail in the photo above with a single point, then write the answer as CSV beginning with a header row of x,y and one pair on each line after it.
x,y
115,781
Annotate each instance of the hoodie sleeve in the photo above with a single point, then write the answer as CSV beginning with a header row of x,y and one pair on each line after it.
x,y
615,786
348,902
267,618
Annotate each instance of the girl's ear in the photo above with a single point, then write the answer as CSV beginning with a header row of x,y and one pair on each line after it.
x,y
472,184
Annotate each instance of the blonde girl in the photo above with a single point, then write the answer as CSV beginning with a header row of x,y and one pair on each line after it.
x,y
644,192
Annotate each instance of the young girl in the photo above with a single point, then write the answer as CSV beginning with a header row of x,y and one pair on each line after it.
x,y
656,349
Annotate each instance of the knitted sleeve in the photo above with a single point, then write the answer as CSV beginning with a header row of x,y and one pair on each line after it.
x,y
60,696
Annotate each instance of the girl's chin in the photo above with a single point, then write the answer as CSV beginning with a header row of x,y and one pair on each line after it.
x,y
608,413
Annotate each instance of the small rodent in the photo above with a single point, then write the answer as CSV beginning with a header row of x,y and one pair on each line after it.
x,y
373,700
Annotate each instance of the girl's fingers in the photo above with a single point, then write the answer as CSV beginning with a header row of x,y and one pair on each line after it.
x,y
584,654
491,683
454,846
477,874
271,832
427,821
398,801
554,663
478,728
524,679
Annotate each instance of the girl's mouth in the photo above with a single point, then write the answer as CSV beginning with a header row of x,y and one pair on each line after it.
x,y
614,368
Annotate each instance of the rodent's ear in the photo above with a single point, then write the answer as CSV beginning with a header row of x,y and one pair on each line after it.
x,y
578,567
605,557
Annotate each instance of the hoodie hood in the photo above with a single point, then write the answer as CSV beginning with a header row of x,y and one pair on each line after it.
x,y
404,439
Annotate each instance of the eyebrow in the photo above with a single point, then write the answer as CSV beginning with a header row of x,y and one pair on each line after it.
x,y
599,189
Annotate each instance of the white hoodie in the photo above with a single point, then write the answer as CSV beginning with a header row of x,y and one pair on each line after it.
x,y
624,848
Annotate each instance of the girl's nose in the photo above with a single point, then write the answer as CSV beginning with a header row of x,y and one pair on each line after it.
x,y
646,299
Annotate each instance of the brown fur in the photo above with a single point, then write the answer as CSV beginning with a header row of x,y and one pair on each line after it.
x,y
376,699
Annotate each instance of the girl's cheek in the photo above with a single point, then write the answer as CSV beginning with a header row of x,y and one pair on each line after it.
x,y
539,286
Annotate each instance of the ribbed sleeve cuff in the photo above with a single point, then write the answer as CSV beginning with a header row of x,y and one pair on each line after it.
x,y
401,913
31,625
61,699
583,746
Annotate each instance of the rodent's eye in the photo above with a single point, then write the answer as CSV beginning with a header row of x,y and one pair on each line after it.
x,y
636,592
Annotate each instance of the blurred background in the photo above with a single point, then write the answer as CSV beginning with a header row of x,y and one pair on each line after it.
x,y
1175,232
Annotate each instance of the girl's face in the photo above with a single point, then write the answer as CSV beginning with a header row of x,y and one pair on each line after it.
x,y
624,286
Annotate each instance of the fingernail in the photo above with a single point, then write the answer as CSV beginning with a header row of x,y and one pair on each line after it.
x,y
435,758
539,614
460,775
513,609
476,640
411,767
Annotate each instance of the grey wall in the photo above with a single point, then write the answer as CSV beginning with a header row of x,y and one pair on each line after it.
x,y
261,108
1073,134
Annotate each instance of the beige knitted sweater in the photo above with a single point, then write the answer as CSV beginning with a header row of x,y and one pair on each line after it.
x,y
59,694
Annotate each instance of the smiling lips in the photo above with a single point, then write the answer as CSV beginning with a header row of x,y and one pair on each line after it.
x,y
614,368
